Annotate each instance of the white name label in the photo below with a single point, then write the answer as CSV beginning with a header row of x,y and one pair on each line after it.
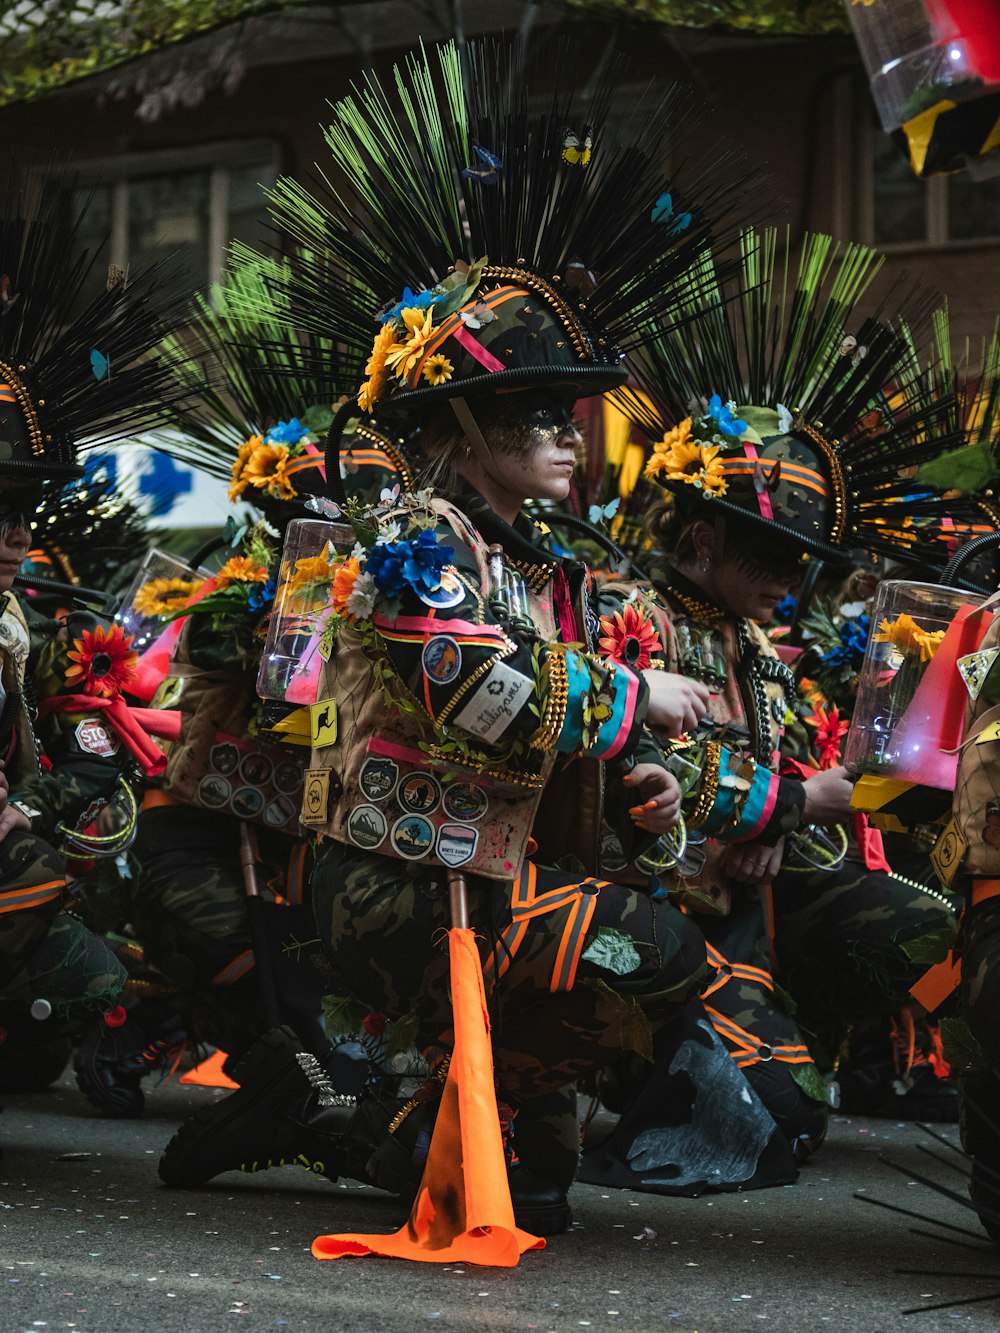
x,y
495,703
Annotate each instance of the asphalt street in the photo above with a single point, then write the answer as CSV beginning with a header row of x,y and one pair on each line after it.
x,y
91,1241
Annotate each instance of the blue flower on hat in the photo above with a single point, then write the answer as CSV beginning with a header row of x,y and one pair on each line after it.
x,y
286,432
722,414
416,564
411,300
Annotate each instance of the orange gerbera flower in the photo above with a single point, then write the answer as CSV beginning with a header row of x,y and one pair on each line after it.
x,y
629,637
343,583
240,569
104,661
831,728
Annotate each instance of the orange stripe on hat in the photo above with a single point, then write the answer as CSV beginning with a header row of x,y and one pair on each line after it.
x,y
795,472
492,299
7,394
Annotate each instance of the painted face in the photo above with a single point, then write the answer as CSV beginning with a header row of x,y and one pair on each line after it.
x,y
15,541
534,441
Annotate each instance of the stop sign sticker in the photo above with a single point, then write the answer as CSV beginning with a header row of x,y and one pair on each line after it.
x,y
95,738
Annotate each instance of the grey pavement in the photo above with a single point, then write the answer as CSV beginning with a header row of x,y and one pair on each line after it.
x,y
95,1244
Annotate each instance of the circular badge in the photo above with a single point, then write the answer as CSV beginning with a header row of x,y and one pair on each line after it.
x,y
366,826
441,659
419,793
449,591
378,777
224,758
465,801
256,769
247,802
412,837
613,853
288,777
278,812
214,791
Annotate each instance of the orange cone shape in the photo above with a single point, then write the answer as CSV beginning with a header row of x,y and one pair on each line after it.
x,y
209,1073
462,1212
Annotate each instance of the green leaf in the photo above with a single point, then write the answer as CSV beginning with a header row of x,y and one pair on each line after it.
x,y
967,469
811,1081
403,1036
317,418
961,1049
613,950
931,948
342,1016
635,1029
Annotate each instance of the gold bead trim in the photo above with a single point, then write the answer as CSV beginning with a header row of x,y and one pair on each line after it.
x,y
555,705
703,611
27,407
828,449
575,331
709,786
406,477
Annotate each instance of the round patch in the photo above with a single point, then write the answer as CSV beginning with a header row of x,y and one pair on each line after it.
x,y
419,794
449,592
456,844
441,659
465,801
214,791
247,802
378,777
412,837
256,769
366,826
288,777
278,812
224,758
613,853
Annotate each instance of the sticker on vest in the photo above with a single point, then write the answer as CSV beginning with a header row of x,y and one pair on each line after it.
x,y
98,804
441,659
495,704
323,723
315,796
456,844
278,812
378,778
419,794
256,769
449,592
224,758
288,777
214,791
613,853
412,836
366,826
247,802
465,801
95,738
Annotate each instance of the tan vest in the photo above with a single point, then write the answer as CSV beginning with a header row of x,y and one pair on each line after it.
x,y
387,785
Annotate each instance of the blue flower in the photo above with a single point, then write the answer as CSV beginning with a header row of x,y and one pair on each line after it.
x,y
416,564
851,649
286,432
722,415
786,609
411,301
262,595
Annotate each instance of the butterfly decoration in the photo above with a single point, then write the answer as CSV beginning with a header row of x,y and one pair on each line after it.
x,y
577,152
6,300
855,350
389,497
319,504
100,365
580,278
117,278
233,533
349,466
784,419
764,480
486,170
663,211
478,316
598,514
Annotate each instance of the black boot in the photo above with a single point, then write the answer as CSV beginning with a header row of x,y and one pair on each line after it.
x,y
112,1060
980,1128
888,1076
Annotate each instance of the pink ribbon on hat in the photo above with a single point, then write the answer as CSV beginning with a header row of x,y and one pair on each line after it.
x,y
463,336
764,496
315,453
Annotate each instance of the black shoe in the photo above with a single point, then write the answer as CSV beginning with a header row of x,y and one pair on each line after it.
x,y
111,1061
888,1078
540,1207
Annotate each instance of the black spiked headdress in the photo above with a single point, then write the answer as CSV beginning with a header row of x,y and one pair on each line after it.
x,y
782,408
491,229
73,373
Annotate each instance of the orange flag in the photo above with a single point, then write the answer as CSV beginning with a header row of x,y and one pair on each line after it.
x,y
209,1073
462,1212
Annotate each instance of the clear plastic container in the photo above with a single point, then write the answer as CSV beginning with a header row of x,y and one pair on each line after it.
x,y
162,585
911,698
290,662
921,52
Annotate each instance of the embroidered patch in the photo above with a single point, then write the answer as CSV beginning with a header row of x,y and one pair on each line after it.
x,y
613,853
247,802
256,769
419,794
465,801
95,738
450,592
214,791
495,704
366,826
456,844
441,659
288,777
323,723
378,778
975,668
279,812
412,837
224,758
315,796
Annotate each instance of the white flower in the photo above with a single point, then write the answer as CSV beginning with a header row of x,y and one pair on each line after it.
x,y
388,532
359,552
784,419
851,610
364,594
271,532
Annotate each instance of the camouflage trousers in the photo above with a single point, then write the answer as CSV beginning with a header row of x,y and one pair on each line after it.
x,y
188,907
574,972
45,953
838,938
981,975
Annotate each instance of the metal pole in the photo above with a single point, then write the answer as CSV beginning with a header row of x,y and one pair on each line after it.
x,y
258,930
458,898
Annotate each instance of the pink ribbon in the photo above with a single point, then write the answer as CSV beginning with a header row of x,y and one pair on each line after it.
x,y
476,350
315,453
563,604
764,496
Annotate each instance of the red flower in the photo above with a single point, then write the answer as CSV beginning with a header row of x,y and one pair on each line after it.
x,y
629,638
830,731
375,1024
104,661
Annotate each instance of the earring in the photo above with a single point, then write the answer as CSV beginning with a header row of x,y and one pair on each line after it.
x,y
704,564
